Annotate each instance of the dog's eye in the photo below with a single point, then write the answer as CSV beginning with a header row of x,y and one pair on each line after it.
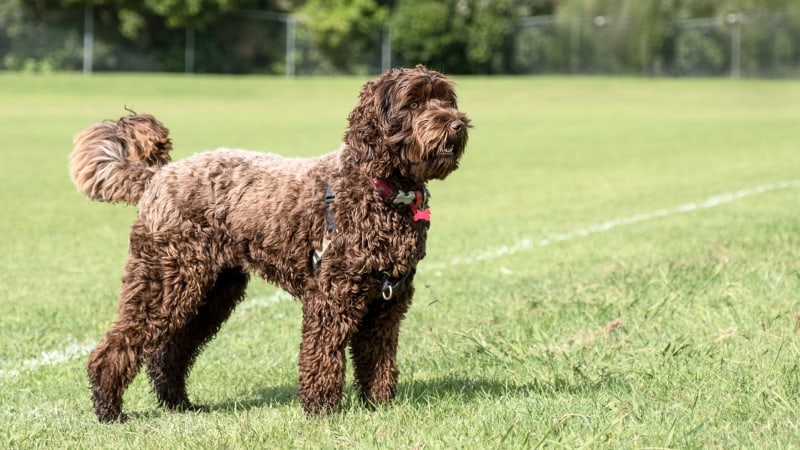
x,y
414,105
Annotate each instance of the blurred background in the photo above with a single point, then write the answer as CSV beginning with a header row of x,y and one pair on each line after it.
x,y
736,38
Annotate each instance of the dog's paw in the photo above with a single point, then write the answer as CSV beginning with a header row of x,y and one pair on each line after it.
x,y
320,407
113,418
191,407
183,405
373,399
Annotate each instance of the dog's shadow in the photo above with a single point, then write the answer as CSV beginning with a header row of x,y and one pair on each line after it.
x,y
271,396
414,392
465,389
473,389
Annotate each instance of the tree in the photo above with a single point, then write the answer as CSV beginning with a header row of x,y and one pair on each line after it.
x,y
460,36
430,33
28,42
347,32
137,34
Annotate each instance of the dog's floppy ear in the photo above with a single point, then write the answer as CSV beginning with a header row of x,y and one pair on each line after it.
x,y
369,120
362,121
386,89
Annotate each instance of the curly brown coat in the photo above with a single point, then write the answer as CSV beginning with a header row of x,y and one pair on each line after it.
x,y
207,221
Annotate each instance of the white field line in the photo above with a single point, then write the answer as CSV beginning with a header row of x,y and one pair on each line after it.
x,y
51,358
529,243
76,350
262,302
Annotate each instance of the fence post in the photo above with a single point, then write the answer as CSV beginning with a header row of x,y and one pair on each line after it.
x,y
735,21
386,50
290,45
88,37
574,45
188,56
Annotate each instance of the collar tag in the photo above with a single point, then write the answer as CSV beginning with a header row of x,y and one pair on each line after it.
x,y
416,200
422,214
405,198
421,201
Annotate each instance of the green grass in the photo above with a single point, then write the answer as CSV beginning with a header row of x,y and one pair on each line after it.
x,y
680,331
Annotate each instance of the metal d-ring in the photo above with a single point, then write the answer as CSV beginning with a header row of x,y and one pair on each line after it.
x,y
387,287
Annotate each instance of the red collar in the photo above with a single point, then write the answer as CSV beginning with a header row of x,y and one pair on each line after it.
x,y
417,200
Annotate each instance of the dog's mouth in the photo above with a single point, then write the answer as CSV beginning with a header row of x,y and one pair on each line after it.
x,y
447,152
455,138
451,147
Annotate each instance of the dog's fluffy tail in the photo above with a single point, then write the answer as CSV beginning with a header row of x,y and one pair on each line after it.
x,y
113,161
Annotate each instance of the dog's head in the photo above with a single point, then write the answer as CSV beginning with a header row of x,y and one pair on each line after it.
x,y
407,125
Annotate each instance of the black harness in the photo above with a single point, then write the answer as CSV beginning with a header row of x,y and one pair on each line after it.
x,y
387,283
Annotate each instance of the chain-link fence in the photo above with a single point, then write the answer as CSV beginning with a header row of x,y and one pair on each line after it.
x,y
763,45
253,42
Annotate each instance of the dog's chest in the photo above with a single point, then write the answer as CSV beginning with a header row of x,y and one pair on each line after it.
x,y
382,239
402,246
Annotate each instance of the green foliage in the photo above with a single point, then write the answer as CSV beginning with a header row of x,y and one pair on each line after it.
x,y
32,46
344,28
427,32
456,36
650,37
188,13
488,30
694,50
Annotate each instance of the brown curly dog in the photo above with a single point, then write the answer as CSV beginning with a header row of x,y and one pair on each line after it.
x,y
343,233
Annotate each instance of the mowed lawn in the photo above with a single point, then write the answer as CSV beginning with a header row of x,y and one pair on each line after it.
x,y
616,264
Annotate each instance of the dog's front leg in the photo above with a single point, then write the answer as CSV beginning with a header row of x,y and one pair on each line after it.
x,y
374,347
326,329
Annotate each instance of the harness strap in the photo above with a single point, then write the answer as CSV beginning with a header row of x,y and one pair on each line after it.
x,y
330,225
329,198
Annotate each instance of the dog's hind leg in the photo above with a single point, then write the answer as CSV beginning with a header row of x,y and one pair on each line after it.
x,y
374,347
162,289
115,361
170,364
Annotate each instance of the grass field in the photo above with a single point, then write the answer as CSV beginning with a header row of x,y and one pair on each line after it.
x,y
615,265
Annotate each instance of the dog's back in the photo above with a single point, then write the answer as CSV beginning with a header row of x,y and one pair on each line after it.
x,y
232,189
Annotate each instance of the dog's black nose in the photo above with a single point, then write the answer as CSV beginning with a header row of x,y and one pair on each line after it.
x,y
457,125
